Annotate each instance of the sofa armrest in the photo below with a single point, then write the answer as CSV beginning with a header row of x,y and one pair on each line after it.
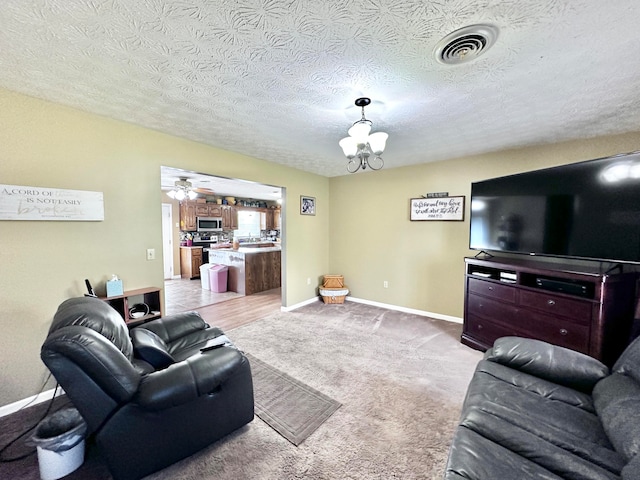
x,y
175,326
550,362
185,381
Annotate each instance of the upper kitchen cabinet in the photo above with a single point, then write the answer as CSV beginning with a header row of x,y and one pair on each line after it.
x,y
208,210
276,220
188,216
229,217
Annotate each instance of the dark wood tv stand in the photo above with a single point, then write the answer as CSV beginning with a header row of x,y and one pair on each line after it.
x,y
572,306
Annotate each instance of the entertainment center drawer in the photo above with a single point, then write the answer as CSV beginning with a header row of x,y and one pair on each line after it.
x,y
489,308
491,289
559,332
486,331
577,309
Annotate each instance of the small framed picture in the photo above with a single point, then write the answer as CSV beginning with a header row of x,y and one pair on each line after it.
x,y
307,205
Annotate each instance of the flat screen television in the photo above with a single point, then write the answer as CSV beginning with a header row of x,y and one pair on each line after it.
x,y
587,210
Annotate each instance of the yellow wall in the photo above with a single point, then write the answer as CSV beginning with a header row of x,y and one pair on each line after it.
x,y
43,262
361,229
373,240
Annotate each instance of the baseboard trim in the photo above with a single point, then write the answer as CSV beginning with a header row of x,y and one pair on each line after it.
x,y
388,306
422,313
301,304
29,401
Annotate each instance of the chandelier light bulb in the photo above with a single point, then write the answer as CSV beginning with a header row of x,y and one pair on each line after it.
x,y
349,147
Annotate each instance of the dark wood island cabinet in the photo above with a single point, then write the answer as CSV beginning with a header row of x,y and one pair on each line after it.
x,y
580,308
251,270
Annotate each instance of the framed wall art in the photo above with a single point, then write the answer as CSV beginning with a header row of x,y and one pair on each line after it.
x,y
307,205
440,208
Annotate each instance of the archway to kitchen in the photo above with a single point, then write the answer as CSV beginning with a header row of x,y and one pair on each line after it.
x,y
237,209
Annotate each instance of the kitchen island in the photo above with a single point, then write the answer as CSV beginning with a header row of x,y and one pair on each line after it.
x,y
252,269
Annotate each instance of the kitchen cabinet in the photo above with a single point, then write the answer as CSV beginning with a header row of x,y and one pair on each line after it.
x,y
575,307
150,296
188,216
190,261
208,210
229,217
250,272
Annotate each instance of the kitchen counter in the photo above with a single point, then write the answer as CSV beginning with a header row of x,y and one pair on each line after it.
x,y
251,269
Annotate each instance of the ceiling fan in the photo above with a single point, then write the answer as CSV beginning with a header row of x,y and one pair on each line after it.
x,y
183,189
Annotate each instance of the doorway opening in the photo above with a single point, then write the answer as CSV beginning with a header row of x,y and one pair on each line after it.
x,y
183,289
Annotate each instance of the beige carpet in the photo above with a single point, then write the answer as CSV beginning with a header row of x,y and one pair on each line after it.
x,y
401,380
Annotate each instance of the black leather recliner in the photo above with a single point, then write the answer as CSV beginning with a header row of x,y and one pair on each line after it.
x,y
144,418
538,411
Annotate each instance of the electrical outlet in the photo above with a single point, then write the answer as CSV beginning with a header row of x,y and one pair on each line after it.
x,y
385,284
151,253
309,281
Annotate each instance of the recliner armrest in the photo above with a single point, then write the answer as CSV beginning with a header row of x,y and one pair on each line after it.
x,y
550,362
151,348
185,381
175,326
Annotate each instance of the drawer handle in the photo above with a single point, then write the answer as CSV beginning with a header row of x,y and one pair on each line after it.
x,y
551,302
563,331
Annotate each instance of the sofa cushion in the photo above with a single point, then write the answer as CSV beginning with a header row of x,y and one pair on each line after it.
x,y
474,457
191,343
617,401
491,374
550,362
558,451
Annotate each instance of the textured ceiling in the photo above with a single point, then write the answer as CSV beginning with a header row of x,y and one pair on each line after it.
x,y
276,79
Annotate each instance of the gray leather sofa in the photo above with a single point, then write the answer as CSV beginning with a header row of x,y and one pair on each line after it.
x,y
538,411
144,417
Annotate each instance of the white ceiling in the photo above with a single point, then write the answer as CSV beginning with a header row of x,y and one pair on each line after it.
x,y
219,186
276,79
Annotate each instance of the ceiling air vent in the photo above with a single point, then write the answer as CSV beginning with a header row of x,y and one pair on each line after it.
x,y
466,44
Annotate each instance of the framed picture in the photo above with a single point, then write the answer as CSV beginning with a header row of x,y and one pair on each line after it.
x,y
440,208
307,205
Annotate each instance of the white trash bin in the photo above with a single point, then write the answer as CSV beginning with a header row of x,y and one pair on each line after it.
x,y
204,275
59,440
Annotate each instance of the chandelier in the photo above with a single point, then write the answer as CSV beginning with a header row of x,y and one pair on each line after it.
x,y
363,150
182,190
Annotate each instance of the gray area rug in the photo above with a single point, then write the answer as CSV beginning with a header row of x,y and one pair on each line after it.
x,y
290,407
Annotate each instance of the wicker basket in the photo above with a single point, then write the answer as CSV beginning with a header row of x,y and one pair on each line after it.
x,y
334,295
333,281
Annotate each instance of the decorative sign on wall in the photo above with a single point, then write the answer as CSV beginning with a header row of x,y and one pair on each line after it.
x,y
439,208
37,203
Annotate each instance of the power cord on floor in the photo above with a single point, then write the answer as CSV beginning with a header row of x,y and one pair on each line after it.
x,y
49,407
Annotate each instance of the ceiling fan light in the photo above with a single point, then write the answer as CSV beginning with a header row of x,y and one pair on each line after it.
x,y
349,146
172,193
180,195
192,195
377,142
360,131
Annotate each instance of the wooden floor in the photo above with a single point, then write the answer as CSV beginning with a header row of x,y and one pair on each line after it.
x,y
240,311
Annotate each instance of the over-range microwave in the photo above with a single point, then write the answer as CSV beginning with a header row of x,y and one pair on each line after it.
x,y
209,224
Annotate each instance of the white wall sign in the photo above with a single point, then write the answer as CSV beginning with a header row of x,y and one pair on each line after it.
x,y
442,208
36,203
